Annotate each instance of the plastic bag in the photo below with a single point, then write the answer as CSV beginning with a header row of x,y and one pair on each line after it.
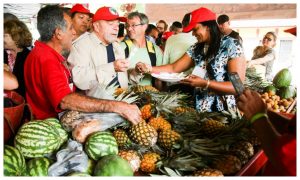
x,y
70,159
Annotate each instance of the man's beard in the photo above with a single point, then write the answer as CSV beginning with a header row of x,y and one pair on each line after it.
x,y
65,53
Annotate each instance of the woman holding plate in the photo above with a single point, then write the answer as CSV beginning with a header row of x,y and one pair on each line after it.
x,y
214,57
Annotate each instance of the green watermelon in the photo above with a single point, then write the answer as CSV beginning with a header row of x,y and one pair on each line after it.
x,y
113,165
90,167
283,78
82,174
37,139
270,88
287,92
38,166
100,144
62,133
14,162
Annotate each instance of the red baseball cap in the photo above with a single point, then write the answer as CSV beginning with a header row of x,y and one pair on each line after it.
x,y
108,14
81,9
199,15
166,35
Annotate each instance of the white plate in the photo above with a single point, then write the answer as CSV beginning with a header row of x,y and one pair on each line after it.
x,y
169,77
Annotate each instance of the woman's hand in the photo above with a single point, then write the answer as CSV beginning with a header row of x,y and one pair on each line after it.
x,y
143,68
194,81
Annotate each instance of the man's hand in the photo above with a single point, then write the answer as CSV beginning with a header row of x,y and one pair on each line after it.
x,y
121,65
251,103
143,68
130,112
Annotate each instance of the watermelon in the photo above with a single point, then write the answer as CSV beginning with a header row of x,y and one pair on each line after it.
x,y
90,167
283,78
113,165
14,162
62,133
100,144
37,139
82,174
38,166
287,92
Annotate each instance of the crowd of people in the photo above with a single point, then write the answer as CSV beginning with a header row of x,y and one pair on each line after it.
x,y
79,50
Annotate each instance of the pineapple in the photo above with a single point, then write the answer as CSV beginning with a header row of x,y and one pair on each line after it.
x,y
245,146
182,109
208,172
159,124
143,134
147,111
212,127
161,106
132,157
242,155
142,89
119,91
228,164
70,120
168,138
121,137
148,163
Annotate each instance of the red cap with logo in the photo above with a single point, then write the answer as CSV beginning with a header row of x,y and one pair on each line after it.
x,y
80,8
108,14
199,15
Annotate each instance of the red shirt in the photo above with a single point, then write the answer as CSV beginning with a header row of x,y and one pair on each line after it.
x,y
47,80
286,151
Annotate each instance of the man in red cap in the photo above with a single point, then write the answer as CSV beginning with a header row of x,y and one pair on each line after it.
x,y
81,18
97,58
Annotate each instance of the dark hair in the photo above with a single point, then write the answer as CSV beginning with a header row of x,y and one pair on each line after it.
x,y
186,19
215,40
19,33
50,18
222,19
121,30
150,28
176,24
9,16
164,22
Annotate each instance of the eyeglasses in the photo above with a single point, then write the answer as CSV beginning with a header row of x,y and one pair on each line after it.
x,y
127,26
267,38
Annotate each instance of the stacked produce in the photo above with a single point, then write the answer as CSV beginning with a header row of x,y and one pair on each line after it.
x,y
280,95
172,140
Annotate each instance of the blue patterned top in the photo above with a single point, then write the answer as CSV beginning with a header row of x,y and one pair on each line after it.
x,y
217,70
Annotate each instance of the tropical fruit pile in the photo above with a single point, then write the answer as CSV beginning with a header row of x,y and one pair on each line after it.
x,y
280,95
173,139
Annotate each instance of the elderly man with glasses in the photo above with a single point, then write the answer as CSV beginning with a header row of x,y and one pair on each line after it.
x,y
97,58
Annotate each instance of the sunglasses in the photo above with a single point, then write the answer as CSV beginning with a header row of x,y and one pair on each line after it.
x,y
267,38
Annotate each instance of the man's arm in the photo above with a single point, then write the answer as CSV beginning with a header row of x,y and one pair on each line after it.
x,y
10,81
78,102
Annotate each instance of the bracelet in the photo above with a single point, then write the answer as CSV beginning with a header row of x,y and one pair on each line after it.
x,y
207,84
258,116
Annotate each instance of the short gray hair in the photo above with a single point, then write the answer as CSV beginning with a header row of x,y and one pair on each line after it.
x,y
50,18
143,18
